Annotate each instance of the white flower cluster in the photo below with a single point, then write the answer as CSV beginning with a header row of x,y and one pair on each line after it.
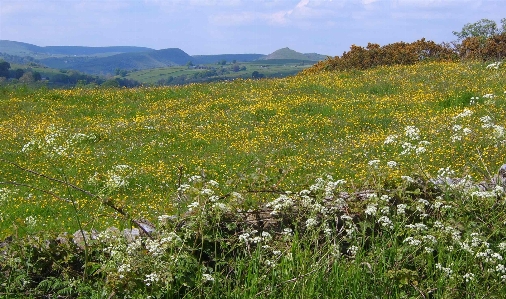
x,y
468,277
417,226
57,142
31,221
327,185
219,206
311,222
252,238
498,191
392,164
409,148
349,227
118,176
498,132
352,251
401,209
459,131
207,277
374,163
412,132
494,65
183,188
280,204
463,114
115,178
412,143
412,241
123,268
391,139
371,209
320,198
489,256
157,247
192,206
407,179
447,271
151,278
5,194
384,221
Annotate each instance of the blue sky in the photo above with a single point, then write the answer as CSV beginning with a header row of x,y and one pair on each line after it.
x,y
327,27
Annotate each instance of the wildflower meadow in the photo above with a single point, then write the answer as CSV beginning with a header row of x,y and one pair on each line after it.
x,y
377,183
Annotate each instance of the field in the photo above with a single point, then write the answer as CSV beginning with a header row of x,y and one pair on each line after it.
x,y
275,68
383,130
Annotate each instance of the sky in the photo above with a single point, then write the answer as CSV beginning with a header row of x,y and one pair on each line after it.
x,y
200,27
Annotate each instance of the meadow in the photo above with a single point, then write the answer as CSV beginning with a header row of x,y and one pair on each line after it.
x,y
317,142
268,68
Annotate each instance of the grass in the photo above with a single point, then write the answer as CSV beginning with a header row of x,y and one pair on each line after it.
x,y
138,148
299,126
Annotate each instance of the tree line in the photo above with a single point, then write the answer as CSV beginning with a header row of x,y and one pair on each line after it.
x,y
64,78
25,76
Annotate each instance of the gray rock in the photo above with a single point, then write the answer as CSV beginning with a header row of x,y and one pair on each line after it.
x,y
131,234
79,240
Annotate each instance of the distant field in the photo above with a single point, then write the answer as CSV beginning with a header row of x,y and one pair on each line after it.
x,y
277,68
131,144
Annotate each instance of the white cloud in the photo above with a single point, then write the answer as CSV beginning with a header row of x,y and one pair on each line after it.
x,y
304,10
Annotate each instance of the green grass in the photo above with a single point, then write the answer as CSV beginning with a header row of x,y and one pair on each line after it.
x,y
251,142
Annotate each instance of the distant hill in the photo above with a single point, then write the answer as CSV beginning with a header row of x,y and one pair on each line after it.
x,y
106,60
140,61
287,53
209,59
24,49
124,61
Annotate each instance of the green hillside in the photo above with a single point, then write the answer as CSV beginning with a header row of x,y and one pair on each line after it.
x,y
177,75
210,59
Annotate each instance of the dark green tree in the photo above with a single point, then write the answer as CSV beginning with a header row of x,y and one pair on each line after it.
x,y
60,78
37,76
17,73
4,68
111,83
256,75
